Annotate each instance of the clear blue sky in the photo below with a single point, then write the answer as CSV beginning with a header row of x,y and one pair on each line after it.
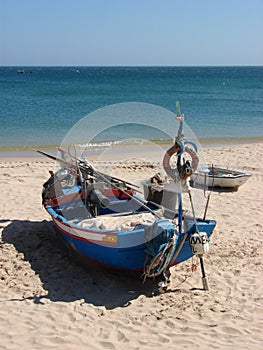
x,y
131,32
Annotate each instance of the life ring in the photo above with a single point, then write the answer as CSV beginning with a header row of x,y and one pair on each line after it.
x,y
178,150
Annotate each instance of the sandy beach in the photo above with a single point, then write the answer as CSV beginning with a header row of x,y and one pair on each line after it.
x,y
49,301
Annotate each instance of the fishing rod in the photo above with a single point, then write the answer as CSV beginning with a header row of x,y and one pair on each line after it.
x,y
89,168
88,164
105,177
131,197
106,180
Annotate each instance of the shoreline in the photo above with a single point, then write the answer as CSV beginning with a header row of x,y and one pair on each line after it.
x,y
19,152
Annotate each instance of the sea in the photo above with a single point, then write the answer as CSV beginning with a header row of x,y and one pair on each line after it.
x,y
40,105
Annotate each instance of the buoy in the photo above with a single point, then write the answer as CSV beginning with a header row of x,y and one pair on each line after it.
x,y
199,243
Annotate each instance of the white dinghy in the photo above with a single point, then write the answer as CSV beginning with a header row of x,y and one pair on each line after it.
x,y
213,177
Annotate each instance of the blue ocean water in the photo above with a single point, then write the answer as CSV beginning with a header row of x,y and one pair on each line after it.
x,y
41,105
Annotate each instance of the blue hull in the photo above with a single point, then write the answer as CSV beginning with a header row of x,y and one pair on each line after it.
x,y
118,249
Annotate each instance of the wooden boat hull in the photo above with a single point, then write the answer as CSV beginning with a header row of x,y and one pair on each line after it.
x,y
118,249
84,202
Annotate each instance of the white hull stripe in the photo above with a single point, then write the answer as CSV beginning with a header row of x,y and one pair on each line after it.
x,y
110,238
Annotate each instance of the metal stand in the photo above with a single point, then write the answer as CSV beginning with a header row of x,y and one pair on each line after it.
x,y
204,278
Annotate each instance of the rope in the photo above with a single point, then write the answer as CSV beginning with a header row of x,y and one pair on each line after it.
x,y
170,258
158,262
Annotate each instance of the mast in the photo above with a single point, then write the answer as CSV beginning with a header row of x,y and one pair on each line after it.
x,y
179,138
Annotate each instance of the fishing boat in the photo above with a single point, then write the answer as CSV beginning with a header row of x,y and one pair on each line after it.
x,y
214,177
105,219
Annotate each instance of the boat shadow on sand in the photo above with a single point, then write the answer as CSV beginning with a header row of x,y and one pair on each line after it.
x,y
63,276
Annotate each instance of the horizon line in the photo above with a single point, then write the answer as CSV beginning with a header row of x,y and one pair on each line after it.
x,y
104,65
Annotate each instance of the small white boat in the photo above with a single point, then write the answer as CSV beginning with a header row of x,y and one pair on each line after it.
x,y
213,177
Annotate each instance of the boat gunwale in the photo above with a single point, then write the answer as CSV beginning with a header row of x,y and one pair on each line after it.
x,y
209,171
67,223
84,239
231,176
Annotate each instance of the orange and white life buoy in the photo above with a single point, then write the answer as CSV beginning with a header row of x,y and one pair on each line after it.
x,y
167,157
194,157
176,149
